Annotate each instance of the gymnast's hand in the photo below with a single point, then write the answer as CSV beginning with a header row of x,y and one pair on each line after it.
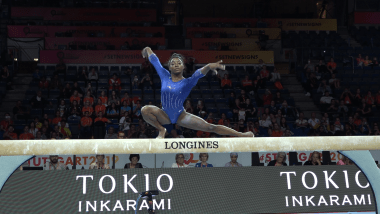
x,y
214,66
146,52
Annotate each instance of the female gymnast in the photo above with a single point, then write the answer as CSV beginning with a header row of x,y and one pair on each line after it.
x,y
174,91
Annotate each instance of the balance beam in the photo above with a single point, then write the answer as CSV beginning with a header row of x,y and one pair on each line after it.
x,y
186,145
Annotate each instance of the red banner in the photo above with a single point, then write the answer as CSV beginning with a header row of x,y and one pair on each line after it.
x,y
100,43
22,31
235,44
273,33
86,14
220,20
367,17
134,57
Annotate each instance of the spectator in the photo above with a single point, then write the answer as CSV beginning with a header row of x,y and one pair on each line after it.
x,y
348,130
103,98
99,163
238,110
120,135
62,108
322,68
272,107
100,118
375,63
125,46
280,160
77,88
38,101
146,66
60,68
134,159
6,77
367,61
135,82
323,88
32,129
200,107
223,117
358,97
111,133
125,123
146,82
210,118
37,75
331,66
114,83
75,97
87,108
225,82
100,107
203,157
64,130
188,107
283,125
233,163
264,75
326,100
67,92
243,96
58,133
179,161
359,60
310,84
277,132
4,125
332,108
369,99
137,110
131,131
334,82
309,66
342,109
126,98
314,122
288,133
189,65
364,109
247,84
89,98
301,122
276,76
265,121
9,134
112,111
278,100
54,164
75,111
347,97
250,110
86,123
267,97
364,128
93,76
43,84
338,127
90,88
114,99
231,100
55,83
315,159
82,75
39,136
344,161
26,135
125,108
20,112
38,123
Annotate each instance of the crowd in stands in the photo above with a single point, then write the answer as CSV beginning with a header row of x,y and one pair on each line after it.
x,y
348,100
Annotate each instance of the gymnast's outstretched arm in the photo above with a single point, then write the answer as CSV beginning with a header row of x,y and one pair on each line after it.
x,y
213,67
148,53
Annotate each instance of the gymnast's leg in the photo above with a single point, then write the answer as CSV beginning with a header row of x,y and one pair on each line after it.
x,y
156,117
191,121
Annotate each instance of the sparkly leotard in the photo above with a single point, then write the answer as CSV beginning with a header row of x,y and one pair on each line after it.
x,y
174,94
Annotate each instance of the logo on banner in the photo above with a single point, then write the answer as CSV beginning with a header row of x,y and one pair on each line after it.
x,y
192,145
61,55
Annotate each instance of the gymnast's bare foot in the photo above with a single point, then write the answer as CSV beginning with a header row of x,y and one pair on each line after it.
x,y
161,134
247,134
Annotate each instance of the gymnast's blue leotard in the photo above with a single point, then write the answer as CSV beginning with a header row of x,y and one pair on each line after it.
x,y
174,94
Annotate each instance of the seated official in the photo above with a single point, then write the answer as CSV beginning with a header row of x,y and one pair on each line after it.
x,y
233,163
280,160
204,158
315,159
100,163
134,158
179,161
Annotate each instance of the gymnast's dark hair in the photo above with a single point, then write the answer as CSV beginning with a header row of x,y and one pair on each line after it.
x,y
177,55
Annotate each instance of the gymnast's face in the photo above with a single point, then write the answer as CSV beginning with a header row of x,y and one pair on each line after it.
x,y
176,66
